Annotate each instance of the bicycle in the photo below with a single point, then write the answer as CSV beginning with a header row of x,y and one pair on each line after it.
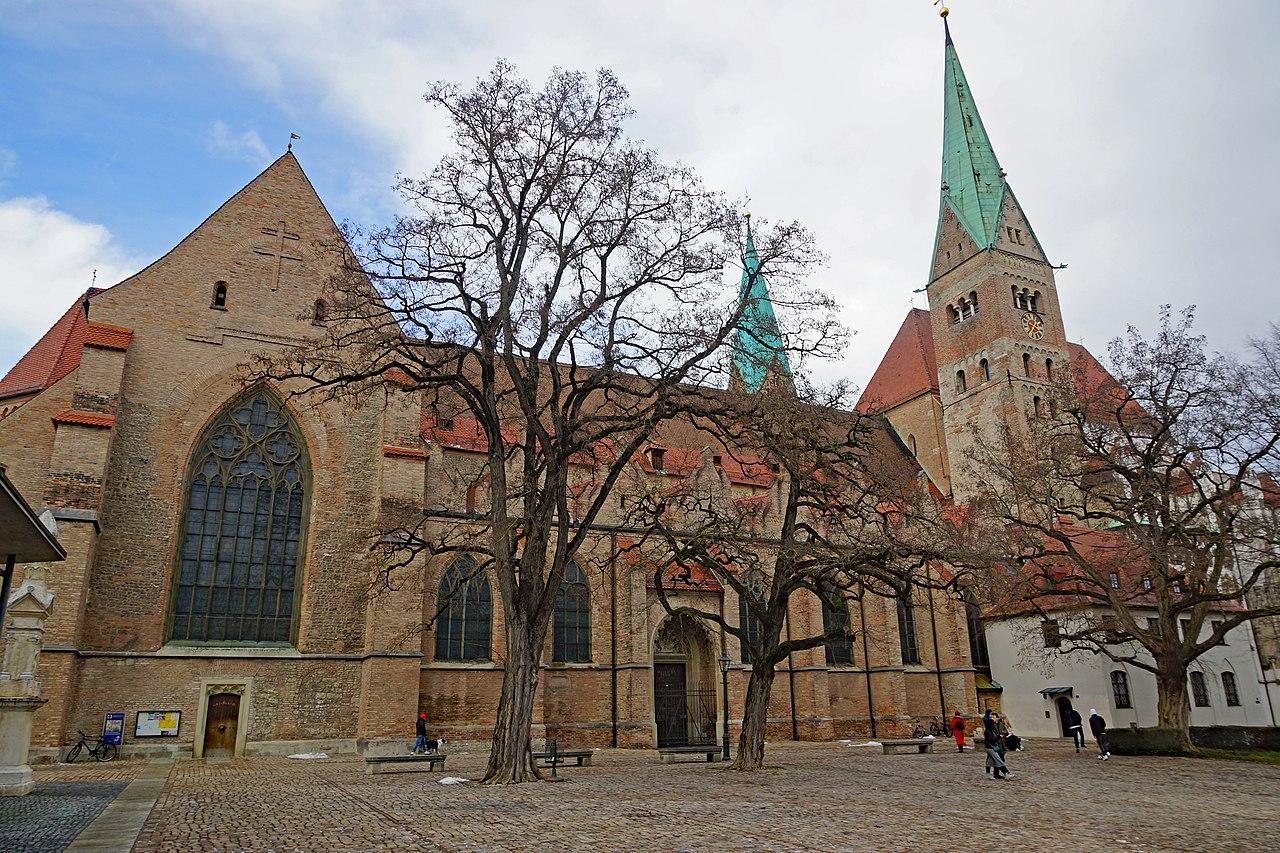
x,y
98,748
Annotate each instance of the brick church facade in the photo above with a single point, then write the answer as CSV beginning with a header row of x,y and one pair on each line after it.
x,y
217,534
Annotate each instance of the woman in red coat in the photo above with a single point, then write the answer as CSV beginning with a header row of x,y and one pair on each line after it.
x,y
957,729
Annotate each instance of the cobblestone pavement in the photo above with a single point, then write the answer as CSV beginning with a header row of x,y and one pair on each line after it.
x,y
51,816
813,797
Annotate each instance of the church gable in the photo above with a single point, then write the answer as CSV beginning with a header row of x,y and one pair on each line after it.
x,y
1013,231
254,268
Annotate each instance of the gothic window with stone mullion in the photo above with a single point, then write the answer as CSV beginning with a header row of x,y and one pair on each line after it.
x,y
751,627
464,613
571,622
245,513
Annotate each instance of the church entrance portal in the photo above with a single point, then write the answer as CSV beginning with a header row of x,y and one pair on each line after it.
x,y
1064,715
220,725
684,696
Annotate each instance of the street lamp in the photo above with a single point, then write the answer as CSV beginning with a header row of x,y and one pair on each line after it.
x,y
725,663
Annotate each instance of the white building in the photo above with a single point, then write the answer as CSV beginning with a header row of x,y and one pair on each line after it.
x,y
1042,684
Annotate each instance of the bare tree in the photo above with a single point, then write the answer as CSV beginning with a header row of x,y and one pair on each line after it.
x,y
561,290
1134,503
849,514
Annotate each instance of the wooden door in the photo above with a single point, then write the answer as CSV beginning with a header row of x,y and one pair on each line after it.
x,y
670,708
220,725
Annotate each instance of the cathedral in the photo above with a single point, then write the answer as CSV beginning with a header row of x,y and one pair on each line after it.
x,y
214,591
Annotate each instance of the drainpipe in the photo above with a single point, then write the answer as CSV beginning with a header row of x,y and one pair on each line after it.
x,y
613,638
866,663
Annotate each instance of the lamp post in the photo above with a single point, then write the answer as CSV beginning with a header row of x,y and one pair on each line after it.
x,y
725,663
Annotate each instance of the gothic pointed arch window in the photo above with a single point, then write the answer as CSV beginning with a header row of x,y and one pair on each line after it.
x,y
907,630
247,491
571,618
835,614
464,612
750,625
977,631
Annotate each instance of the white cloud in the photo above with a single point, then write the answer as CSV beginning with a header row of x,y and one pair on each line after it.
x,y
1141,145
246,145
47,259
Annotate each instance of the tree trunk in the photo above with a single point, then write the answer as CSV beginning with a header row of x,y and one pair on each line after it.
x,y
1173,710
511,754
754,718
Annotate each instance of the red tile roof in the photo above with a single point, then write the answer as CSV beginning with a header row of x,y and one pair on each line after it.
x,y
107,336
54,356
83,418
908,369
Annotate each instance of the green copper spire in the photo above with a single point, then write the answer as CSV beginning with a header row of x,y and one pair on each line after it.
x,y
972,181
758,349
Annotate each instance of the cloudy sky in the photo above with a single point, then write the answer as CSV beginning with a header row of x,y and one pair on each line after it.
x,y
1141,138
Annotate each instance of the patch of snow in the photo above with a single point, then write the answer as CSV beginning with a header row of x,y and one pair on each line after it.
x,y
452,780
868,743
927,737
309,756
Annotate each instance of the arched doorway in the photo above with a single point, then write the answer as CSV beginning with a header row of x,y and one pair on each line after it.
x,y
1064,715
684,679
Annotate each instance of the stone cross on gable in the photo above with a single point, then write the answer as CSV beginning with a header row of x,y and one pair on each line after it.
x,y
280,249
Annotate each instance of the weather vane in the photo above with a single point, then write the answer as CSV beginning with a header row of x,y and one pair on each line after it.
x,y
292,136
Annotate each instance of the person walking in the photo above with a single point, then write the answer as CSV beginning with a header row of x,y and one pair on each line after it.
x,y
996,768
957,730
1076,726
1098,726
421,728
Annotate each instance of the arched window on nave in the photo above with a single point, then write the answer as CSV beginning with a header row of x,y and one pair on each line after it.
x,y
464,613
571,618
242,531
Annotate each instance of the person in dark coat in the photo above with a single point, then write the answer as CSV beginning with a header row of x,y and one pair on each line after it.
x,y
957,730
1076,726
1098,726
995,748
421,729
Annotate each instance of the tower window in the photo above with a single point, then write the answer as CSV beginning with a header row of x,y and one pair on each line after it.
x,y
960,384
219,295
1033,302
955,314
320,313
1035,405
1026,364
973,302
986,370
1048,369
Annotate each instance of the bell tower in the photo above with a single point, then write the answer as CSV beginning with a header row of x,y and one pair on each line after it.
x,y
997,327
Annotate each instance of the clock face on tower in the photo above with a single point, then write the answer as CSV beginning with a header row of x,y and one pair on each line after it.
x,y
1033,326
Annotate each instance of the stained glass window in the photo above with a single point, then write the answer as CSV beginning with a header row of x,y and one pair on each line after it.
x,y
571,628
465,611
242,531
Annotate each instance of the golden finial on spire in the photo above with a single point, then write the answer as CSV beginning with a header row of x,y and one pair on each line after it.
x,y
944,11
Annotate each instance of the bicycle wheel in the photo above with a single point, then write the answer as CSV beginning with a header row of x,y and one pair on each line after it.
x,y
74,753
108,752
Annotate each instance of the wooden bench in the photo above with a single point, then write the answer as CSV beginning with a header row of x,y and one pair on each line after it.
x,y
668,754
921,744
395,763
583,757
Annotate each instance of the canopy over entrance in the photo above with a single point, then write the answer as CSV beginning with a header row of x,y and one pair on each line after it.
x,y
1056,691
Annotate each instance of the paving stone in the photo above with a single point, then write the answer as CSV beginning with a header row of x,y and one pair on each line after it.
x,y
812,797
53,814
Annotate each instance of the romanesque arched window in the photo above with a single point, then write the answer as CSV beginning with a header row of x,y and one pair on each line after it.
x,y
571,619
464,613
1120,689
985,367
750,625
246,505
